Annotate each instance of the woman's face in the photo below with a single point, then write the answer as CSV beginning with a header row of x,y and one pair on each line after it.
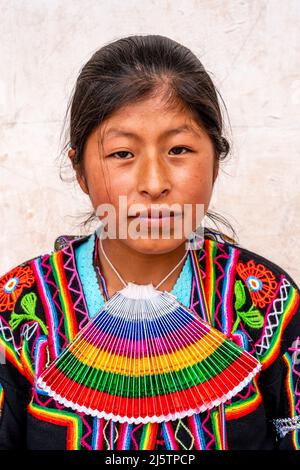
x,y
153,165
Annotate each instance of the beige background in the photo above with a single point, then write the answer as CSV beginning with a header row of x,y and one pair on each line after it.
x,y
251,49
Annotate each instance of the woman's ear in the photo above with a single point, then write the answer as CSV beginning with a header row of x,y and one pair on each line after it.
x,y
79,176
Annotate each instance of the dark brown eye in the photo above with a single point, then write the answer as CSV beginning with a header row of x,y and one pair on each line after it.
x,y
181,149
122,152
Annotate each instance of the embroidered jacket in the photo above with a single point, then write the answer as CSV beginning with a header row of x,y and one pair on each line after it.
x,y
44,302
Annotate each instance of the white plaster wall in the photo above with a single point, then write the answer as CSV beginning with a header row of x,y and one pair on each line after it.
x,y
251,48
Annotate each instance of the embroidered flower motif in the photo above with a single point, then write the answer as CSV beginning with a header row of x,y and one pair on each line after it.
x,y
260,280
12,284
252,317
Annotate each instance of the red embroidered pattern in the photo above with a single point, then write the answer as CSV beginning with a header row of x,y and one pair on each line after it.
x,y
12,284
260,280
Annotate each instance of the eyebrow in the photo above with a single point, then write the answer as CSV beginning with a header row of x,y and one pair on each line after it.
x,y
119,132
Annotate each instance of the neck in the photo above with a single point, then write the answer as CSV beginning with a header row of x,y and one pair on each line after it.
x,y
137,267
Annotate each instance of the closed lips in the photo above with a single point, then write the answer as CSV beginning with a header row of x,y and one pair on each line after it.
x,y
157,214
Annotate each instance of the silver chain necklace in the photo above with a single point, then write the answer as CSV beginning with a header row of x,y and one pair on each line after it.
x,y
126,283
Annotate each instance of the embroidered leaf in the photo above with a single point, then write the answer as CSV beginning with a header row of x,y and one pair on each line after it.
x,y
28,304
16,319
252,318
240,295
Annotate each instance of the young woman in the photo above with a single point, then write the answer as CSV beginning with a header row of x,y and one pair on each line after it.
x,y
145,124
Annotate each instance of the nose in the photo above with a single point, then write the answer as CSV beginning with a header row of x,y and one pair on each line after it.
x,y
153,178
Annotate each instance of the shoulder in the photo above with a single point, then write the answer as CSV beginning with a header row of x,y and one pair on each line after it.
x,y
22,278
22,301
268,266
248,262
266,300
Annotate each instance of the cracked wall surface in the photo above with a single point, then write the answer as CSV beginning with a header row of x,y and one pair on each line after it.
x,y
250,48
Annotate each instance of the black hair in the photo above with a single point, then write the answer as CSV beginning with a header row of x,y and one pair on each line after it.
x,y
131,69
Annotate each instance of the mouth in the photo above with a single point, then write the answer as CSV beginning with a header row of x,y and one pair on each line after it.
x,y
156,214
155,222
159,217
158,220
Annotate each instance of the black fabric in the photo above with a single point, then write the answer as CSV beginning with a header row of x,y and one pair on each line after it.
x,y
20,429
13,418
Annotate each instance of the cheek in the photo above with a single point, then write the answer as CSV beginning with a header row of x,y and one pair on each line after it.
x,y
109,195
196,180
105,186
195,186
197,192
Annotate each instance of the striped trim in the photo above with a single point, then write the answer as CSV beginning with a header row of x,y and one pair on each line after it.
x,y
97,440
199,285
222,423
195,426
244,406
148,437
228,291
49,309
290,308
290,390
210,280
1,399
124,440
71,421
40,351
169,436
215,419
241,339
207,309
57,263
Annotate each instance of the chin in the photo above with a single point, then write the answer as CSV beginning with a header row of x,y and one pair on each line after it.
x,y
151,246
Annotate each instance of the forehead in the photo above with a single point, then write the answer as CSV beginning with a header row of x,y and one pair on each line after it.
x,y
124,131
151,117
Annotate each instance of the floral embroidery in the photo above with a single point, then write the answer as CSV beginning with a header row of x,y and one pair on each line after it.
x,y
12,284
252,317
260,280
28,303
